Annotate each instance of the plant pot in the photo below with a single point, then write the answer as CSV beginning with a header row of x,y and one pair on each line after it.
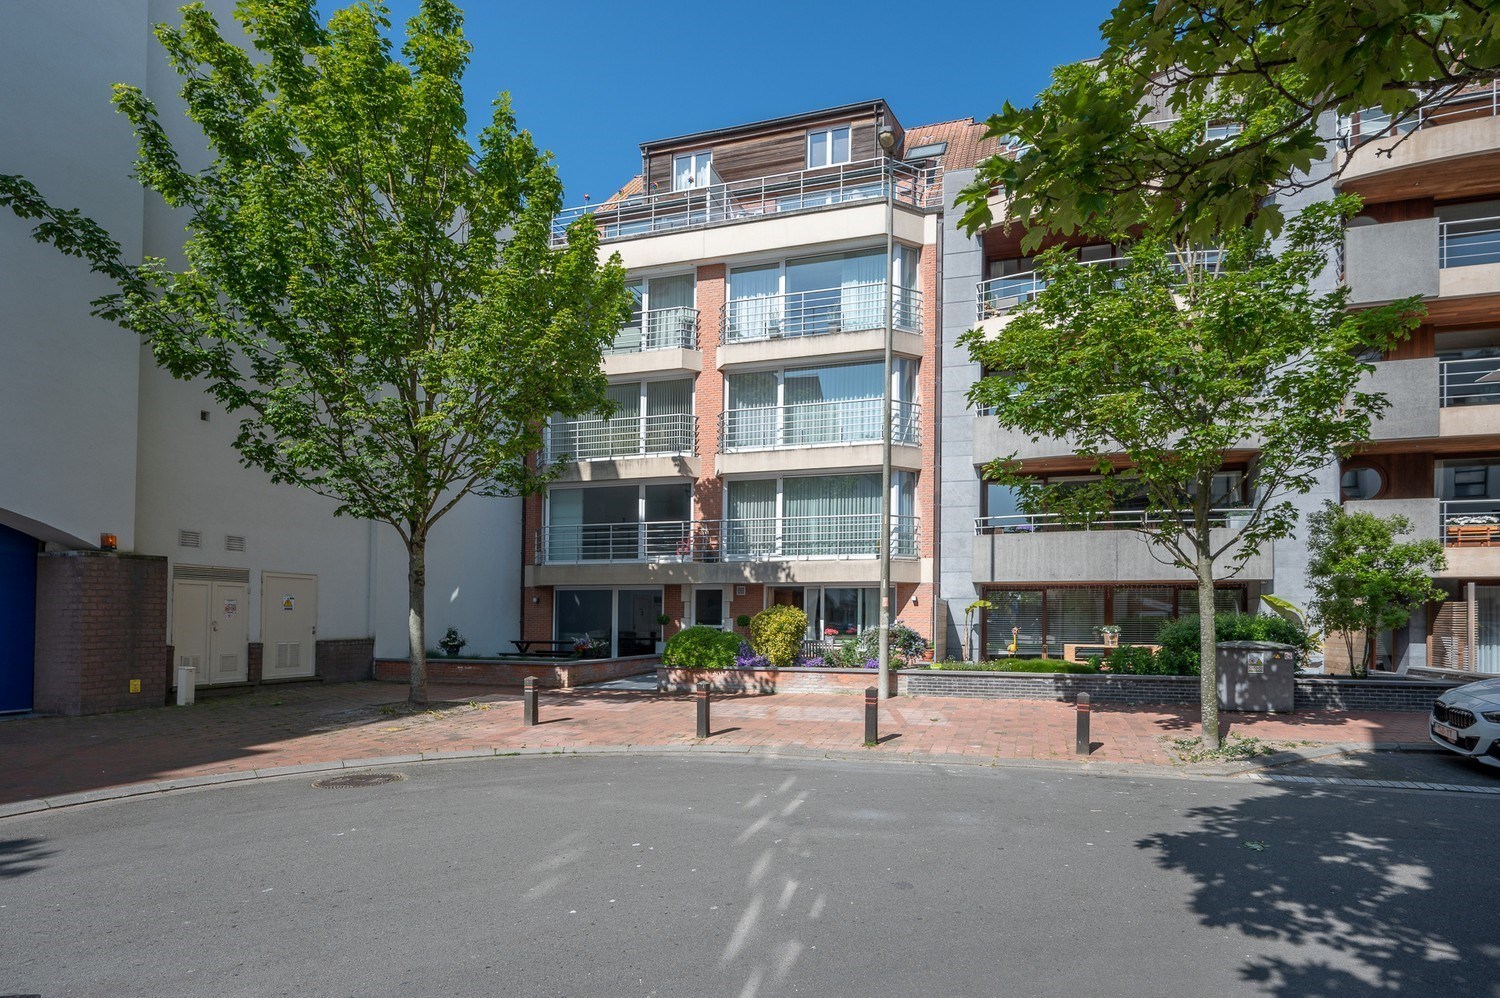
x,y
1111,640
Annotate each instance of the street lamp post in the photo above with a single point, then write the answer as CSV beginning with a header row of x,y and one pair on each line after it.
x,y
887,138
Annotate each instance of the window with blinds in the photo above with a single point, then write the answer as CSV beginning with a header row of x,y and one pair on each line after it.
x,y
1140,612
1014,618
1074,617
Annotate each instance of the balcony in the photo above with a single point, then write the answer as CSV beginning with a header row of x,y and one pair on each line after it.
x,y
791,538
1039,549
1444,149
998,296
993,441
824,322
1470,531
737,201
663,339
624,447
789,438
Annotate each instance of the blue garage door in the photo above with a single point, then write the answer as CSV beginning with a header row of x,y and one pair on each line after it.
x,y
17,619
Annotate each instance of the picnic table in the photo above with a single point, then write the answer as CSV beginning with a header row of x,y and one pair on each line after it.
x,y
544,646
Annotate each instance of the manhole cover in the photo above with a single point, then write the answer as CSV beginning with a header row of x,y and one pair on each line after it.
x,y
354,780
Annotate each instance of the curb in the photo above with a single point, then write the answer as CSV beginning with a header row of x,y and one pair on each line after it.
x,y
1248,767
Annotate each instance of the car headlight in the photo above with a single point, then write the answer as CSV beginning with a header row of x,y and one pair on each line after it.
x,y
1493,716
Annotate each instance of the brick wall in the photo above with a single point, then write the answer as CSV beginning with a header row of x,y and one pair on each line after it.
x,y
101,621
255,660
1311,693
345,660
853,681
708,400
536,612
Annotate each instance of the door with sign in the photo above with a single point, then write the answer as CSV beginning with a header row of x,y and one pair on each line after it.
x,y
209,629
289,625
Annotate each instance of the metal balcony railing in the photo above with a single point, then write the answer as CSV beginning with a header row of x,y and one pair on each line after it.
x,y
1469,381
848,309
658,329
999,295
750,199
1470,522
1118,519
1469,242
621,436
817,424
754,539
1482,101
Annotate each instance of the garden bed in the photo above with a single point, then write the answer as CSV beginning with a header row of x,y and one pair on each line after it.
x,y
551,674
737,680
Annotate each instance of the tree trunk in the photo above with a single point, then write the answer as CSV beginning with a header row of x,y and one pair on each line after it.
x,y
1208,680
1372,642
416,582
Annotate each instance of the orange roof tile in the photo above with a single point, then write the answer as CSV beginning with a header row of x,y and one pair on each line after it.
x,y
967,145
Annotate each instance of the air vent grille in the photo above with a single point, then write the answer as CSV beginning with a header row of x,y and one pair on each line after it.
x,y
207,573
234,542
190,538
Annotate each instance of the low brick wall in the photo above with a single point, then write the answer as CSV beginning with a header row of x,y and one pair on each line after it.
x,y
1312,693
345,660
562,674
770,680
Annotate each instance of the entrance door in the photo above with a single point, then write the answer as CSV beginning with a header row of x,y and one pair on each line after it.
x,y
289,625
210,630
17,619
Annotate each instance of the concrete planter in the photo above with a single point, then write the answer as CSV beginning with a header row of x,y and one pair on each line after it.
x,y
734,680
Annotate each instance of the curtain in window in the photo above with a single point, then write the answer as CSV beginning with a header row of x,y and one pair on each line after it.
x,y
670,323
751,518
831,515
755,305
835,404
1074,616
862,292
628,340
1014,616
623,435
564,525
669,419
750,421
905,311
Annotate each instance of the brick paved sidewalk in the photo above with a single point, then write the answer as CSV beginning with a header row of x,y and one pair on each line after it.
x,y
292,725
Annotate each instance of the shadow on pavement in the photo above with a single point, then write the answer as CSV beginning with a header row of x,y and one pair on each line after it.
x,y
19,857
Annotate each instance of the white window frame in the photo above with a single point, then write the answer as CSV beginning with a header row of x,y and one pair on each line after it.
x,y
698,158
828,131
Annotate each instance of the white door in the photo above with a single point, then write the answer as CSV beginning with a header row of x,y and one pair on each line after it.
x,y
228,634
190,625
289,625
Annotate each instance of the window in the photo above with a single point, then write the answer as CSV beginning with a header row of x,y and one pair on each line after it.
x,y
827,147
1013,623
692,169
1361,483
1074,617
708,608
616,621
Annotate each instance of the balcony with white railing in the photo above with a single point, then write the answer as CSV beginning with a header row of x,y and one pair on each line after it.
x,y
851,308
755,198
791,538
1469,256
999,295
1462,129
1482,101
1041,548
659,435
817,424
659,329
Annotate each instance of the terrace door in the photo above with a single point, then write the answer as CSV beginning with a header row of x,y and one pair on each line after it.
x,y
1487,630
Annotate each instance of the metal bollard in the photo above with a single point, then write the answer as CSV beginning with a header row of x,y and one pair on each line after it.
x,y
872,715
528,702
1082,748
702,710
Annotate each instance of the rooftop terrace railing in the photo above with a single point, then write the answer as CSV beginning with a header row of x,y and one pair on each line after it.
x,y
747,200
1482,101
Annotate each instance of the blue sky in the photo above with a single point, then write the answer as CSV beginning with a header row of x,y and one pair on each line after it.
x,y
592,80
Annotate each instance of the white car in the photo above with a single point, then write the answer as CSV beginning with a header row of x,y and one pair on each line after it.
x,y
1466,720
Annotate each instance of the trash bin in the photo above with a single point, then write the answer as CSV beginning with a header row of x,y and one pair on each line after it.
x,y
187,684
1257,676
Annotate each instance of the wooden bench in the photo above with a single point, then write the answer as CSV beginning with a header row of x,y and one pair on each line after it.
x,y
1463,535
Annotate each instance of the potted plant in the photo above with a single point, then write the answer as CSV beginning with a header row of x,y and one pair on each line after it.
x,y
583,646
452,642
1110,635
662,620
743,620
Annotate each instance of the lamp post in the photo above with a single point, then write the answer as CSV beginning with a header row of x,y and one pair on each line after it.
x,y
886,135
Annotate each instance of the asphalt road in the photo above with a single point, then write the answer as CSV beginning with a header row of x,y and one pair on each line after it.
x,y
660,875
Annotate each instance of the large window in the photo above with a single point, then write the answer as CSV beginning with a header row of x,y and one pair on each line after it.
x,y
817,516
809,406
615,621
663,316
840,292
1045,621
651,417
692,169
618,522
828,147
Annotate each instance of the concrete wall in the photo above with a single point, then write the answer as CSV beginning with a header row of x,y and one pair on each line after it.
x,y
1390,261
1090,556
963,259
1411,388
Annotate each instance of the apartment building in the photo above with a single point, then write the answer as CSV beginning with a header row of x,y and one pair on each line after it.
x,y
1431,227
742,467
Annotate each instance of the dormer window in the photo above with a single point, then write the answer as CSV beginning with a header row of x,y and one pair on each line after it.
x,y
827,147
691,170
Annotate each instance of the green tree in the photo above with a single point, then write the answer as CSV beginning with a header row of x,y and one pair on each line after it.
x,y
1275,69
1364,578
378,300
1161,371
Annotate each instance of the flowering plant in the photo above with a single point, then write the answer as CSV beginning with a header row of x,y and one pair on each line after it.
x,y
830,632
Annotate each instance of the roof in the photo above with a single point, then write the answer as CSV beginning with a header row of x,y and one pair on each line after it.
x,y
757,126
967,145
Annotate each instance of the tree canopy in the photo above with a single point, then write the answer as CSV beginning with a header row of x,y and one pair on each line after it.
x,y
1195,111
377,298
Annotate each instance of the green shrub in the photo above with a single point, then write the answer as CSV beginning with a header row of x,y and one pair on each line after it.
x,y
700,648
1020,665
776,632
1179,638
1134,660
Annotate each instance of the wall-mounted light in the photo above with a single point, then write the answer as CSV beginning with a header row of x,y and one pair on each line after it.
x,y
886,136
534,601
108,542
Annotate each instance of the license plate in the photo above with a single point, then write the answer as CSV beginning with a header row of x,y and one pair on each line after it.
x,y
1445,732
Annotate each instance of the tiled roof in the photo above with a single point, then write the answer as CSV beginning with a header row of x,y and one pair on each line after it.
x,y
631,189
967,145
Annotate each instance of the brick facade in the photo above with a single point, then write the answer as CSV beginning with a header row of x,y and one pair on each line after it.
x,y
101,623
346,660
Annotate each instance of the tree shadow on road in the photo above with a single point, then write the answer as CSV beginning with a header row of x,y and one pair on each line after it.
x,y
1352,892
21,856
